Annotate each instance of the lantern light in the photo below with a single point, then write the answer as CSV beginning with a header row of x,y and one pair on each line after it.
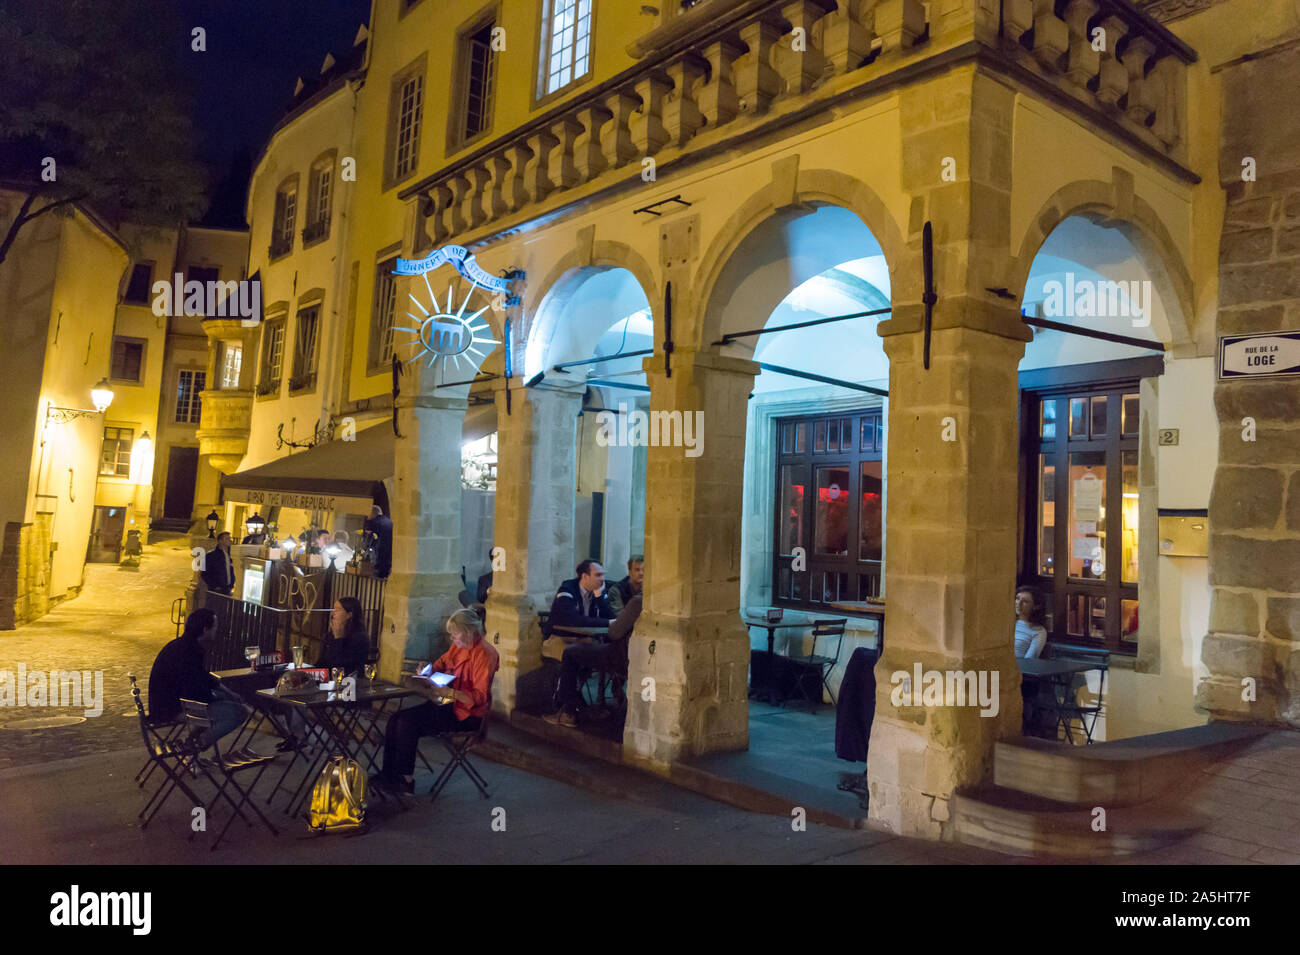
x,y
213,519
101,395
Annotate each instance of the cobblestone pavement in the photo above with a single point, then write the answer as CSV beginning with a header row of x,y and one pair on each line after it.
x,y
116,626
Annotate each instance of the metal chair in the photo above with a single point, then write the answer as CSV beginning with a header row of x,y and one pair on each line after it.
x,y
228,764
458,746
1085,713
824,664
169,751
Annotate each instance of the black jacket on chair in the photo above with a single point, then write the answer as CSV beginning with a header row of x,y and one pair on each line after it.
x,y
857,706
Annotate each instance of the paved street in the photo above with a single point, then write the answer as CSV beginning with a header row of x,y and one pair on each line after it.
x,y
116,626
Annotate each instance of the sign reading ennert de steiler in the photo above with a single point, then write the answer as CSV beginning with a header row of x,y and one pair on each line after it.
x,y
1262,355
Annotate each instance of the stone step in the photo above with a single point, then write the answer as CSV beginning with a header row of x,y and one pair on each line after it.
x,y
1019,824
1119,773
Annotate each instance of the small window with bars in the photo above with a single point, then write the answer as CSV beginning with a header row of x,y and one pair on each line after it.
x,y
566,43
188,404
115,457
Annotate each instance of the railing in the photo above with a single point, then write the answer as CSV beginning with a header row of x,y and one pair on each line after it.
x,y
242,624
368,590
316,230
280,245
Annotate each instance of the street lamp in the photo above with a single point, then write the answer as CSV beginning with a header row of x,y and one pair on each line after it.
x,y
101,395
213,519
255,525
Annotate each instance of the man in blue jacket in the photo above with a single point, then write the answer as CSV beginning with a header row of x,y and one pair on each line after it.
x,y
581,601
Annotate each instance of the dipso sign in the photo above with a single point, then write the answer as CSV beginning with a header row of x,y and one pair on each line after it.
x,y
1265,355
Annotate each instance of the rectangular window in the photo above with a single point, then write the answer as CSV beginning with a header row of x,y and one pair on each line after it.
x,y
232,359
272,357
286,213
406,147
201,273
839,526
479,79
304,347
139,290
115,457
320,187
385,308
1084,559
566,43
190,383
128,359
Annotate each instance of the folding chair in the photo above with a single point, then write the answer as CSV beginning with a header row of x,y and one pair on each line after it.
x,y
168,751
823,664
165,732
1085,714
458,746
228,764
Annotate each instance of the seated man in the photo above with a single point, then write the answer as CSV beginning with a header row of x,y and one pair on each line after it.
x,y
629,586
581,601
179,674
473,661
580,657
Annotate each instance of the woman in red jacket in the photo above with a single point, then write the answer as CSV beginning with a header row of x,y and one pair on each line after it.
x,y
460,706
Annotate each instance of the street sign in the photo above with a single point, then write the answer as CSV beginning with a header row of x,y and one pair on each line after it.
x,y
1262,355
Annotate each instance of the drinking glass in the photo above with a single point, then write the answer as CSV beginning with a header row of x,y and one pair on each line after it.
x,y
371,670
250,654
297,658
336,675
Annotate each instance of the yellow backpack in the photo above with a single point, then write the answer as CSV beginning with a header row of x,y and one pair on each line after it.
x,y
338,800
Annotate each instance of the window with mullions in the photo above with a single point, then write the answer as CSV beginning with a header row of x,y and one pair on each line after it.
x,y
830,503
1082,504
115,455
566,43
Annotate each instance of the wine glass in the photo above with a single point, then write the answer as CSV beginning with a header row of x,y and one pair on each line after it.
x,y
336,675
371,670
250,654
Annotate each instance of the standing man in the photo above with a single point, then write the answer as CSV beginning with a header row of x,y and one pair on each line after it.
x,y
382,527
629,586
218,568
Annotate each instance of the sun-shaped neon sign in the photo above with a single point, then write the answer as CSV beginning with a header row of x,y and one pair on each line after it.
x,y
440,332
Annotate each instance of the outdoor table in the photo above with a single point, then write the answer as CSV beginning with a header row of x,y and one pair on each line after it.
x,y
1060,674
866,608
572,635
245,682
333,724
759,620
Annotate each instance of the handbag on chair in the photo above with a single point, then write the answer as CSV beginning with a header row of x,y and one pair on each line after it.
x,y
338,799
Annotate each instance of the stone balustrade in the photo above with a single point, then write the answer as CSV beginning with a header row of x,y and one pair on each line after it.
x,y
726,63
1110,56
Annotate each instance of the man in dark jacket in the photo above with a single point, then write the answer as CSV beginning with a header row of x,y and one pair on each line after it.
x,y
179,674
218,568
581,601
381,526
629,586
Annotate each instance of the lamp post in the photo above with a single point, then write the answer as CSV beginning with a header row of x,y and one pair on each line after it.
x,y
213,519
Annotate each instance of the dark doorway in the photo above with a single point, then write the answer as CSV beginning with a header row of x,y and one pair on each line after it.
x,y
106,535
182,471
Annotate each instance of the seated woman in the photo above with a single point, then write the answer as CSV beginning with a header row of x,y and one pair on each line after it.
x,y
1031,636
458,707
346,647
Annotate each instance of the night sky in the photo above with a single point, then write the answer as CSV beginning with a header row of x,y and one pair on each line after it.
x,y
243,82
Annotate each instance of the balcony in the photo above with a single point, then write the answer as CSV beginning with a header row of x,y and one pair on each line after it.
x,y
227,419
316,231
724,71
280,246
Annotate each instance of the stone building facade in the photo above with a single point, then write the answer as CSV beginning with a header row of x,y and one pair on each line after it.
x,y
707,169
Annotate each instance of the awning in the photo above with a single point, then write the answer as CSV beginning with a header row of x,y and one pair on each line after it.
x,y
340,476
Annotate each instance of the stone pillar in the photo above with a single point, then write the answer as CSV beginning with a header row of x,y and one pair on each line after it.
x,y
425,579
689,639
536,470
951,510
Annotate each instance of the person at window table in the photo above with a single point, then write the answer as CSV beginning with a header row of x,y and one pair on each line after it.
x,y
584,655
629,586
581,601
473,662
218,568
1030,636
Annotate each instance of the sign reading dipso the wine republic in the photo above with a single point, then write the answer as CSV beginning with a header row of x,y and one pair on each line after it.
x,y
1262,355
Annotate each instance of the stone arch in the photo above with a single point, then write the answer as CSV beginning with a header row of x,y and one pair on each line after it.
x,y
590,255
1116,204
792,188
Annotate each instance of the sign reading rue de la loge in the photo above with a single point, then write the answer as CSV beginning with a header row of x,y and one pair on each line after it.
x,y
1262,355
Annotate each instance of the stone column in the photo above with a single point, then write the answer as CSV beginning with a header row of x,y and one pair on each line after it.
x,y
533,526
689,640
421,591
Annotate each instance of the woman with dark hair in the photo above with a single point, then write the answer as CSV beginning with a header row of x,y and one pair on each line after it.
x,y
1031,635
347,645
